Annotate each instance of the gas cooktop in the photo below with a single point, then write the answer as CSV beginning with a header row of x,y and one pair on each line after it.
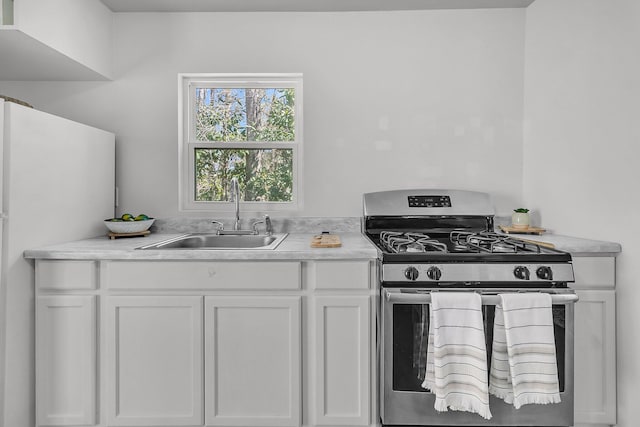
x,y
482,246
448,236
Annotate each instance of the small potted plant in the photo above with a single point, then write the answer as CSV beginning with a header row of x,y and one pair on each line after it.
x,y
520,218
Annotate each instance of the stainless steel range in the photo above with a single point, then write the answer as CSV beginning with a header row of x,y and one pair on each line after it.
x,y
444,240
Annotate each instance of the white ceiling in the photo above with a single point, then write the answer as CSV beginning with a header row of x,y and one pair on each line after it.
x,y
303,5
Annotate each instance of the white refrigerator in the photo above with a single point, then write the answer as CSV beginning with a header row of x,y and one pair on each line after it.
x,y
57,184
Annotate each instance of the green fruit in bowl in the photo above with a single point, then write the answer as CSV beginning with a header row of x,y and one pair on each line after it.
x,y
141,217
116,220
127,217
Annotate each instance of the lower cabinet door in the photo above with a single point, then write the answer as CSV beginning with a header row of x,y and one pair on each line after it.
x,y
595,357
66,360
341,357
253,361
154,360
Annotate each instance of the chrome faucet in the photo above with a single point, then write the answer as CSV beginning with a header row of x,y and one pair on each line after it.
x,y
235,195
235,192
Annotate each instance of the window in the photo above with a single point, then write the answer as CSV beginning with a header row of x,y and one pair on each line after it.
x,y
243,126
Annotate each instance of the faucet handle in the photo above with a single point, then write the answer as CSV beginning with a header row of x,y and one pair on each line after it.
x,y
267,225
220,226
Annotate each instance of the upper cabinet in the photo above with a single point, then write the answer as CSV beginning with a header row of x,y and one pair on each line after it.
x,y
62,40
6,12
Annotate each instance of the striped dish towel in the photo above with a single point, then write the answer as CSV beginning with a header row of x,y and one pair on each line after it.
x,y
456,369
523,361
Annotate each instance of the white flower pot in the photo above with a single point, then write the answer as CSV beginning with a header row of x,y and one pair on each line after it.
x,y
520,220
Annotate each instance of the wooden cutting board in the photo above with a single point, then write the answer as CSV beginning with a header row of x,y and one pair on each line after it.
x,y
326,241
530,230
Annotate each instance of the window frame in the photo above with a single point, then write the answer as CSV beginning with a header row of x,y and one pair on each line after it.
x,y
187,144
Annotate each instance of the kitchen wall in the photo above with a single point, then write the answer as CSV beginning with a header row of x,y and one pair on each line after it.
x,y
392,100
581,145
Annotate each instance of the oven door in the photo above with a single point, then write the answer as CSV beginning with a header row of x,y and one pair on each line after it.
x,y
403,347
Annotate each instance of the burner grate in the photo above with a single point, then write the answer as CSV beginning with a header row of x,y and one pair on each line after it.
x,y
458,241
398,242
490,242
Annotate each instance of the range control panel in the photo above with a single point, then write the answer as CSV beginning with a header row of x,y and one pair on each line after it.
x,y
429,201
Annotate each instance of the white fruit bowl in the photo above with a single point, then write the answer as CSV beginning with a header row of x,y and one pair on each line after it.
x,y
128,226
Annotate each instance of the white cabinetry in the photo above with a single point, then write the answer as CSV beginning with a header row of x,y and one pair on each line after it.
x,y
595,341
342,352
61,40
6,12
205,343
252,360
202,275
66,360
154,360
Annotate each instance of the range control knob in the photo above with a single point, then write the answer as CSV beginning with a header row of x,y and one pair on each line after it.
x,y
544,273
521,272
434,273
411,273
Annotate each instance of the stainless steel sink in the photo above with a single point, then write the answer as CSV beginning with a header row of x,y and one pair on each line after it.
x,y
218,241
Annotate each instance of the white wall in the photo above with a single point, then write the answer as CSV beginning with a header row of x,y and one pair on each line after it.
x,y
581,145
438,94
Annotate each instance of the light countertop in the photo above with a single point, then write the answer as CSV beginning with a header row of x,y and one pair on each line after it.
x,y
294,246
574,245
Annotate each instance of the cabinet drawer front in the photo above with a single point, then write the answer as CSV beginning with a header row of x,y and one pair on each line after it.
x,y
66,275
203,275
594,272
340,274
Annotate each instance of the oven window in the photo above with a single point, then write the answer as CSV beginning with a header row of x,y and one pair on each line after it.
x,y
410,335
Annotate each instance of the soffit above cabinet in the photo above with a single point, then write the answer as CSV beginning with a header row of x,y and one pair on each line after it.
x,y
27,59
304,5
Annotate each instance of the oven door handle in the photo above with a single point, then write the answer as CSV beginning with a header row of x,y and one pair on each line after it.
x,y
492,299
